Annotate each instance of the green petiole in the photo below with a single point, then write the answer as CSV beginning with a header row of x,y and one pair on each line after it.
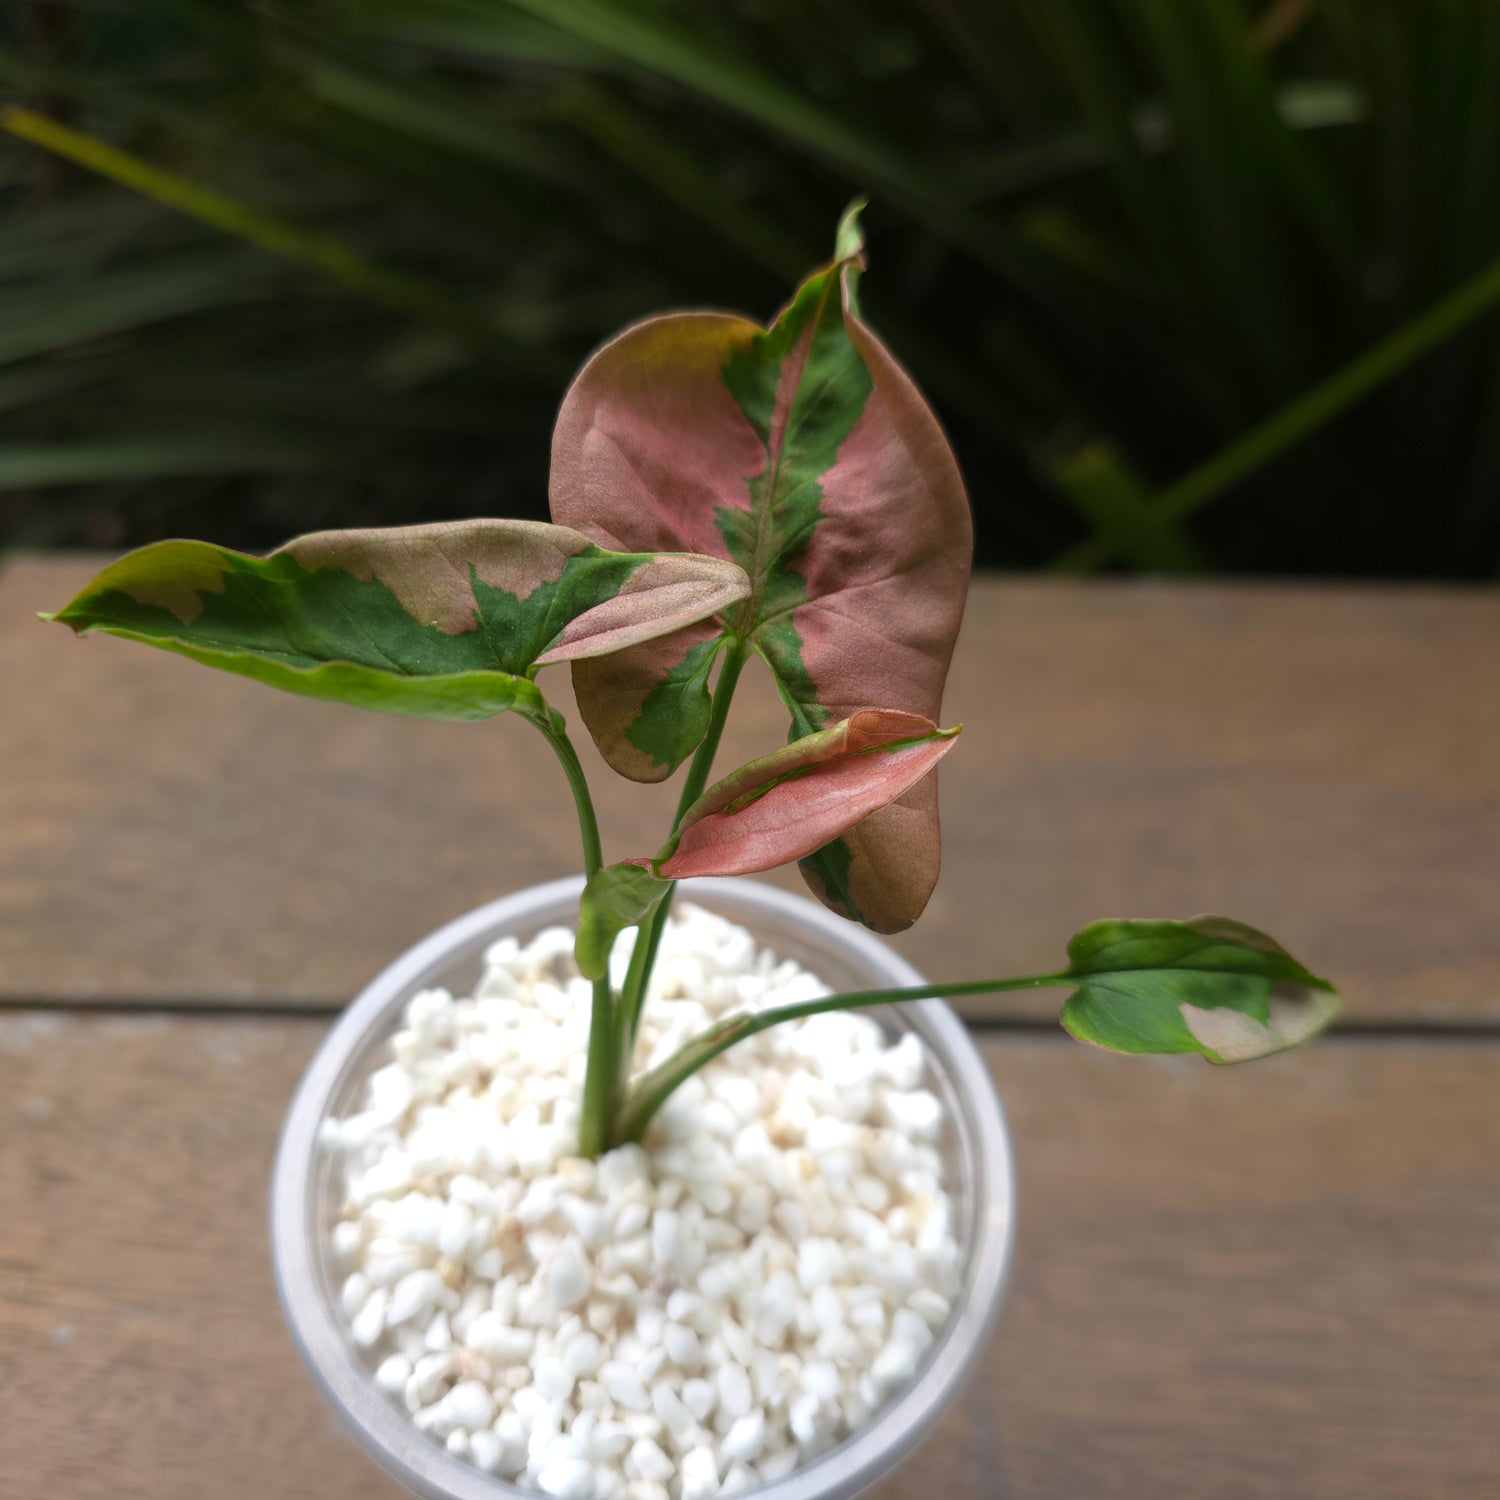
x,y
652,1089
602,1081
648,940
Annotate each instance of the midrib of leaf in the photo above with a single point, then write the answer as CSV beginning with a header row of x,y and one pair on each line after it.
x,y
1126,1022
770,499
765,520
364,627
1075,976
799,773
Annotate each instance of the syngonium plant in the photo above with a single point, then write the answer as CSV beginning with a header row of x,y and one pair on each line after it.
x,y
720,490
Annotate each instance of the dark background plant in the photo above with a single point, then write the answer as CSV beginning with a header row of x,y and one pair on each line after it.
x,y
1112,238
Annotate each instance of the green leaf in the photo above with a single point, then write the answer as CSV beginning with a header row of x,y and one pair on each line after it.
x,y
1209,985
675,706
618,896
669,164
40,319
333,257
438,117
1314,409
804,453
445,621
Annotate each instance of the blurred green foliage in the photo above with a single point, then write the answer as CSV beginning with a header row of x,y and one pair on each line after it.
x,y
1109,237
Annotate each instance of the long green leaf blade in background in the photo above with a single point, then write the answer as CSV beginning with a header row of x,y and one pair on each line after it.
x,y
661,46
1310,411
1118,506
116,302
332,257
21,467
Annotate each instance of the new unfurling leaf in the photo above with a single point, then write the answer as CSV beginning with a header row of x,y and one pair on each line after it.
x,y
804,453
1208,985
444,621
795,800
617,897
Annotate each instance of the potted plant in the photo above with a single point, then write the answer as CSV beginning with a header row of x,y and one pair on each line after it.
x,y
585,1197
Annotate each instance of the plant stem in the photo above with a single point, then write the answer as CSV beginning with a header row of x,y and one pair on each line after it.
x,y
602,1084
588,822
651,1090
648,939
637,977
718,714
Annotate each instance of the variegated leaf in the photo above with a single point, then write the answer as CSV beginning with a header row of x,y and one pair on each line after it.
x,y
787,804
445,621
1209,985
804,453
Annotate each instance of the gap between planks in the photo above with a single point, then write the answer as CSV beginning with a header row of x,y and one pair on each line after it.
x,y
292,1008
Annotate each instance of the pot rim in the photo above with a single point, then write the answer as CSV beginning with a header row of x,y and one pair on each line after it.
x,y
425,1467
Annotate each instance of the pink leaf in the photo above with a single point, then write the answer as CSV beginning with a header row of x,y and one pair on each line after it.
x,y
787,804
665,593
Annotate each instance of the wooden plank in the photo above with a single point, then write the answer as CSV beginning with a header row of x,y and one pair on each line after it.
x,y
1251,1283
1318,761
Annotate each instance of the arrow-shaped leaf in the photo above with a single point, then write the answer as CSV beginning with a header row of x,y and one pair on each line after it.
x,y
1209,985
786,804
806,454
444,621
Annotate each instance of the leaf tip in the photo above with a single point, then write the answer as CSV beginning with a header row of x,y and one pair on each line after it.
x,y
849,238
1226,1035
64,617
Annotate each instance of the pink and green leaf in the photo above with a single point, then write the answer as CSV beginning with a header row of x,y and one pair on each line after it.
x,y
785,805
805,454
446,621
661,691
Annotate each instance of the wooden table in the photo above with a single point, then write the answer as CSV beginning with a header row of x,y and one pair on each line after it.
x,y
1275,1281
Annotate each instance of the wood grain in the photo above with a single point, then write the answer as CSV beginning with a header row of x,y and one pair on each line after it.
x,y
1318,761
1250,1284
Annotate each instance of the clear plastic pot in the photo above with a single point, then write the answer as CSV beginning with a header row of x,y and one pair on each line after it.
x,y
303,1194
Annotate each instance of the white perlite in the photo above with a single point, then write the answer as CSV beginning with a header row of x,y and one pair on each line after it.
x,y
670,1323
